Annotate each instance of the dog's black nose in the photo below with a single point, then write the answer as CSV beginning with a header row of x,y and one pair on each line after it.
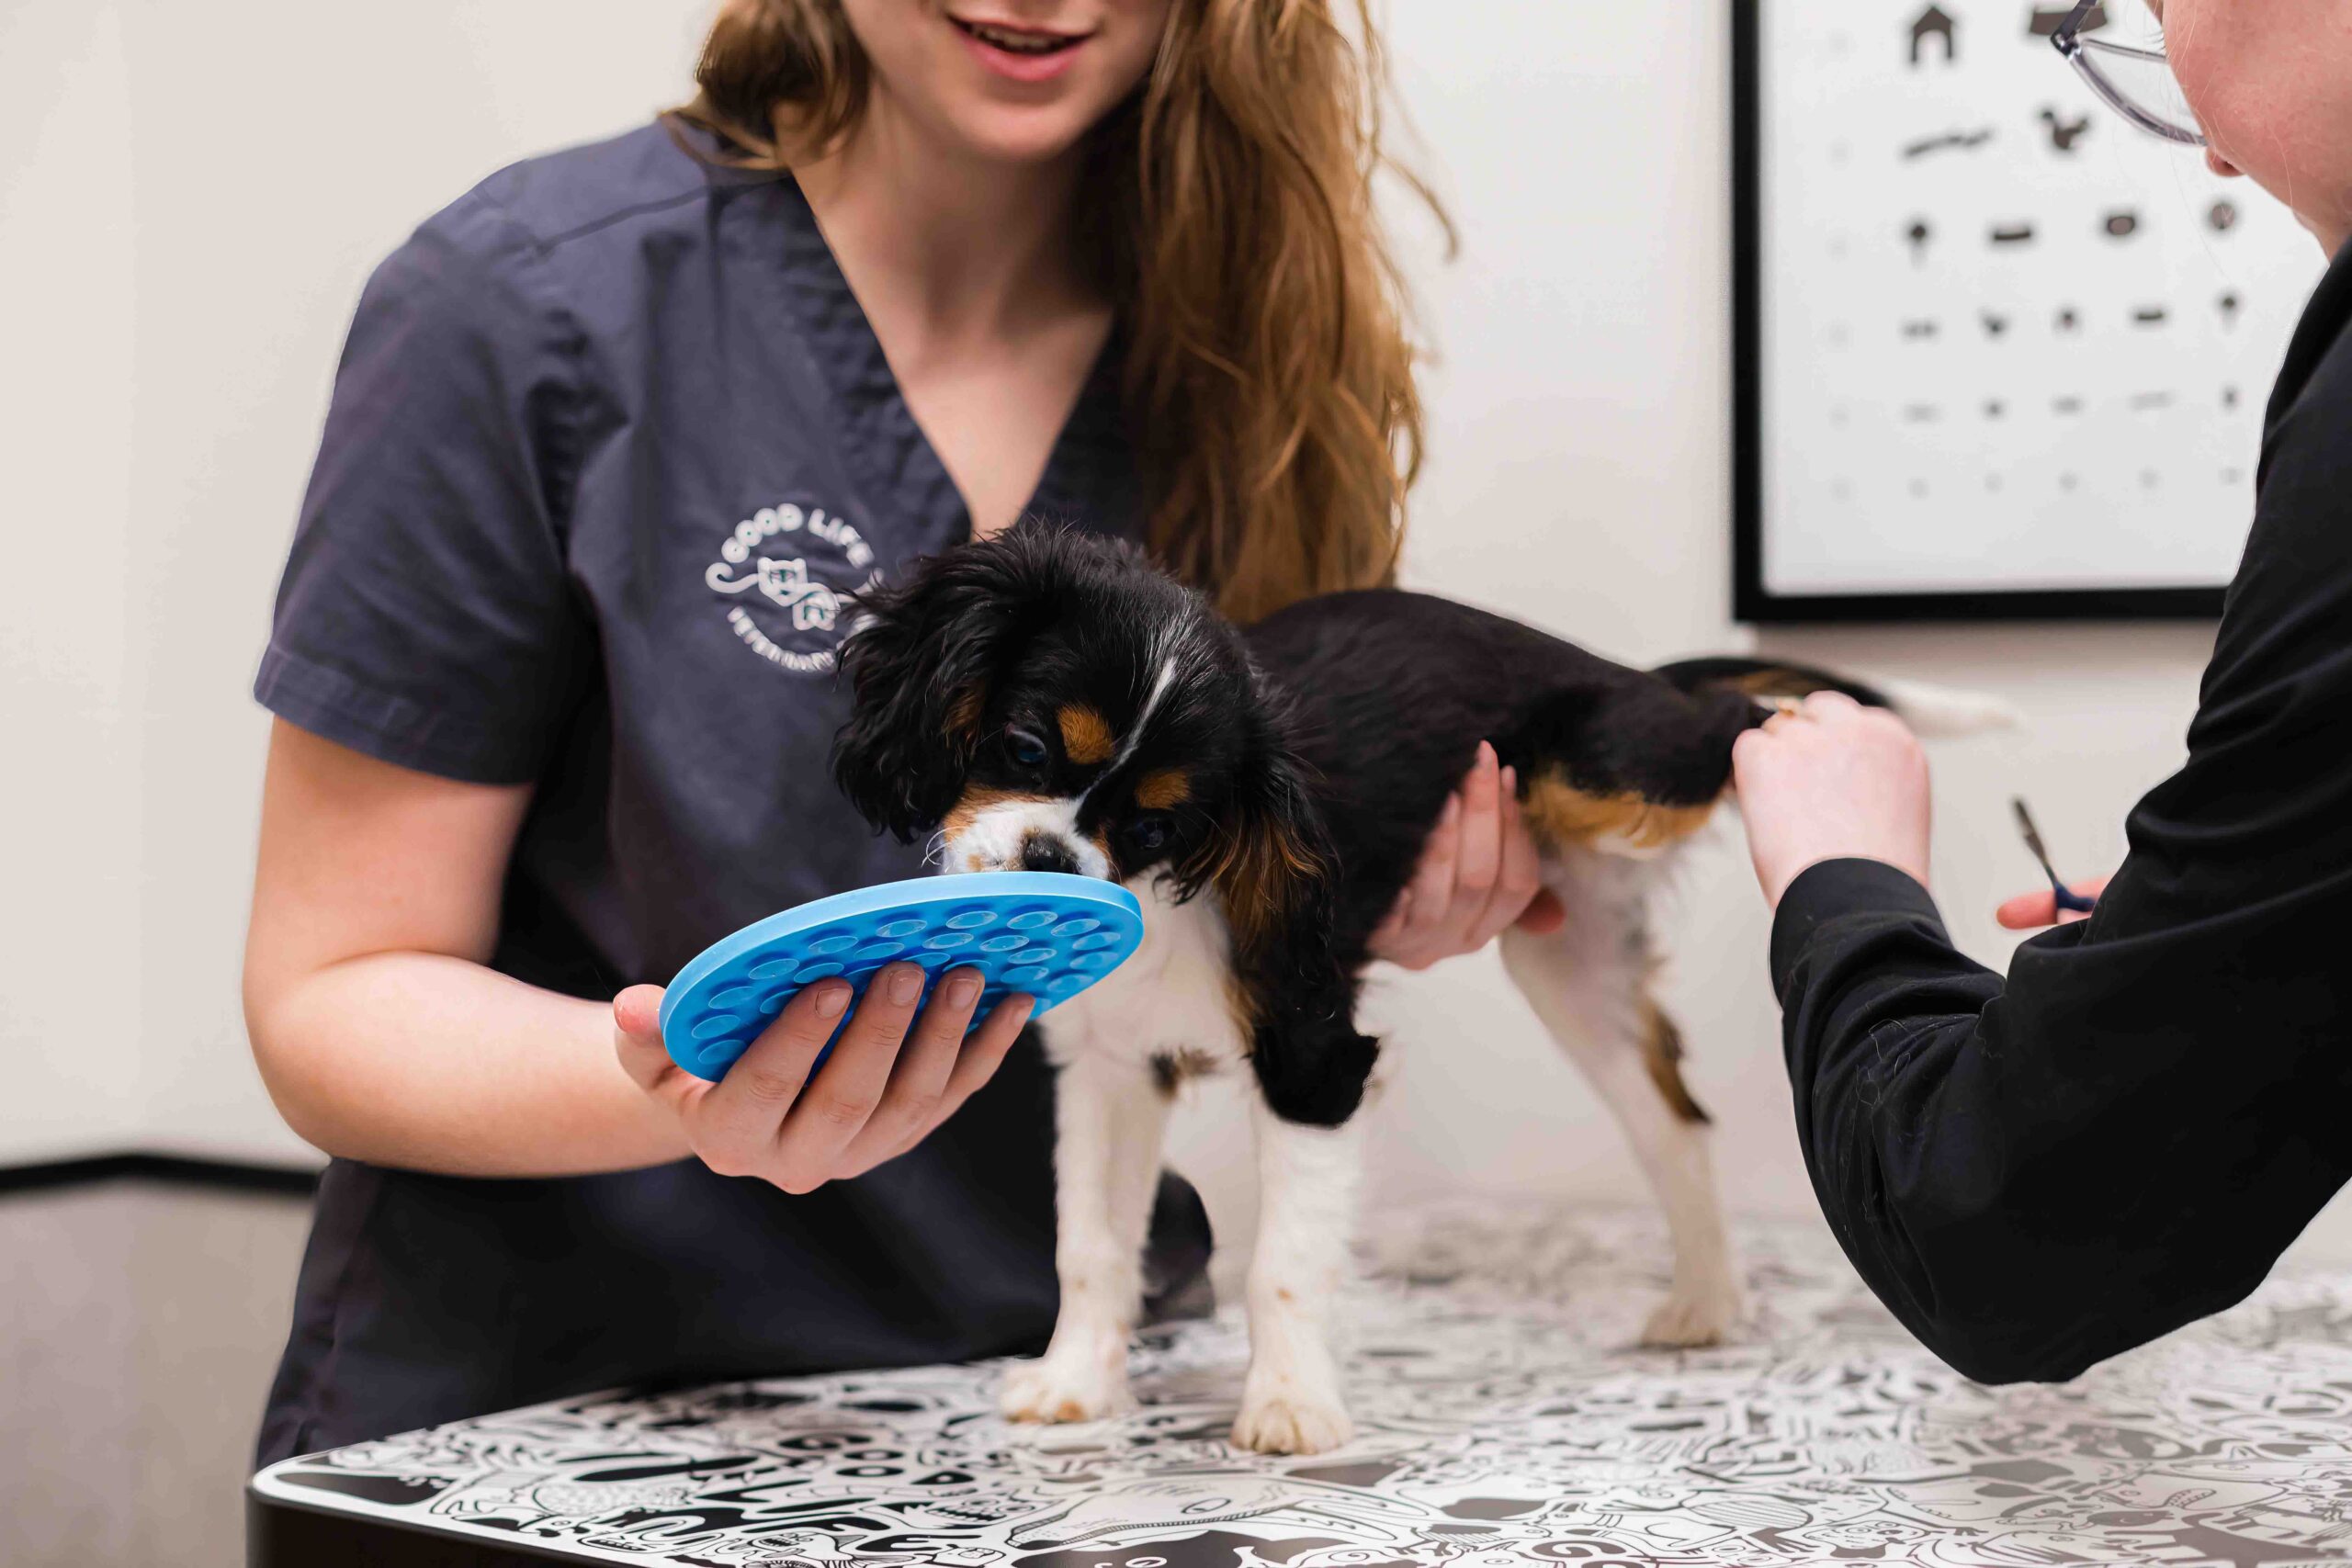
x,y
1040,853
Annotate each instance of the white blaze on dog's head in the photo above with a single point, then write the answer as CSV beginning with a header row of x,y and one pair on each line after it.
x,y
997,830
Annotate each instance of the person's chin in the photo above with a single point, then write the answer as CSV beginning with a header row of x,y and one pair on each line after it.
x,y
1010,134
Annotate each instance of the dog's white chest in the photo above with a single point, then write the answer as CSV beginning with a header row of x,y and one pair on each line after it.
x,y
1174,998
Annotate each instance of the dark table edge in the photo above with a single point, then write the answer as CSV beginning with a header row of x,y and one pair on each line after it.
x,y
164,1169
282,1533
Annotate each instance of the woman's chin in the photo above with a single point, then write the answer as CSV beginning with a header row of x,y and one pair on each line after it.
x,y
1000,133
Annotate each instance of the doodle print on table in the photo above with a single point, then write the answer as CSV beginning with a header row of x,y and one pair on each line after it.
x,y
1503,1420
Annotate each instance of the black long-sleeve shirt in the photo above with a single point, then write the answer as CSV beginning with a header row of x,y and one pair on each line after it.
x,y
2038,1173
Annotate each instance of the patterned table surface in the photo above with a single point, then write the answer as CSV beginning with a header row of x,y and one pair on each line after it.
x,y
1501,1420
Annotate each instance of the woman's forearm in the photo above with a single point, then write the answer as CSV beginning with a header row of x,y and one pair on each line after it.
x,y
432,1063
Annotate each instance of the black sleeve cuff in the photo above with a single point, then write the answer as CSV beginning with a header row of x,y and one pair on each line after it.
x,y
1832,888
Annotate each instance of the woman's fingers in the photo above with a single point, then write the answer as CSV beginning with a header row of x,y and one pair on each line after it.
x,y
1479,871
2028,911
2031,912
921,1076
1518,867
1478,862
736,1122
982,1054
1543,915
1428,901
838,1103
637,1036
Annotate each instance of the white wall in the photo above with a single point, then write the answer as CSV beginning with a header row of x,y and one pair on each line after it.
x,y
1578,480
71,668
190,202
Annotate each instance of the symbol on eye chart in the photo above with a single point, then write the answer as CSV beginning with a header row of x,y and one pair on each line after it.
x,y
1919,234
2013,233
2045,21
2122,224
1995,326
2151,316
1950,140
1935,26
1996,408
2064,134
2230,305
2222,216
1918,489
2148,402
1921,413
2069,320
2232,476
2066,405
1920,331
2147,479
2067,481
2229,396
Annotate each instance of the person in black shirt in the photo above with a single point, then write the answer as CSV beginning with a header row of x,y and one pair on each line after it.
x,y
2037,1173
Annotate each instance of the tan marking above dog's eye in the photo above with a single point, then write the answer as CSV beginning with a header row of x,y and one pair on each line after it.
x,y
1086,737
1163,787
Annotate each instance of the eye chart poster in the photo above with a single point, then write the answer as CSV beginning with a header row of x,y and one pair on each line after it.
x,y
2001,354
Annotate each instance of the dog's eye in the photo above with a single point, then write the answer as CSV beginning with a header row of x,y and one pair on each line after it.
x,y
1149,834
1025,749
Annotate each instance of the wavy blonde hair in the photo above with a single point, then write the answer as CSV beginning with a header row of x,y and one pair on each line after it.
x,y
1269,371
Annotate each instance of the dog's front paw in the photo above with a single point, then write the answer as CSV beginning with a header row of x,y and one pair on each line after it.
x,y
1290,1423
1065,1388
1689,1318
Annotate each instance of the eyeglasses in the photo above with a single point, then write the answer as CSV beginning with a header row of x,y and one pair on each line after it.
x,y
2135,83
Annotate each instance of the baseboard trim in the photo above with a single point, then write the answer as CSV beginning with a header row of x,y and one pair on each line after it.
x,y
174,1170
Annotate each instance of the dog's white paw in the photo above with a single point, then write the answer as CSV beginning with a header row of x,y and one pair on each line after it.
x,y
1067,1388
1689,1318
1289,1424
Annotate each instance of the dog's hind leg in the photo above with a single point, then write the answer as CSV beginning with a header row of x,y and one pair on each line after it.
x,y
1109,1116
1589,982
1291,1402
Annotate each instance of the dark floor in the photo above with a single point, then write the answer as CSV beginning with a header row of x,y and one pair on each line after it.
x,y
138,1323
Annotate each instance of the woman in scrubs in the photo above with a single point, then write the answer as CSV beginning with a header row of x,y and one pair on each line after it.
x,y
612,438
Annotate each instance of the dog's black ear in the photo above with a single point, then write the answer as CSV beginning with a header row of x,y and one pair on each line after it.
x,y
1272,863
1277,873
921,664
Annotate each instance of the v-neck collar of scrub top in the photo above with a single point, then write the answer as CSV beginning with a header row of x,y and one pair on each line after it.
x,y
891,457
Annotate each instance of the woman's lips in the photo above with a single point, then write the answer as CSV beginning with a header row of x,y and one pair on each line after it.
x,y
1019,54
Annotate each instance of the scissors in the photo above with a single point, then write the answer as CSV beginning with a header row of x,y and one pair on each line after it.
x,y
2067,897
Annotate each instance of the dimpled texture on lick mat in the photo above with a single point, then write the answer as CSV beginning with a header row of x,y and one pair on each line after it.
x,y
1042,933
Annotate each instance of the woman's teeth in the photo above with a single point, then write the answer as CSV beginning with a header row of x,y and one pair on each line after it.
x,y
1015,42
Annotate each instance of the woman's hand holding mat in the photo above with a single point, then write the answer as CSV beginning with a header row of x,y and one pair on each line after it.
x,y
896,1073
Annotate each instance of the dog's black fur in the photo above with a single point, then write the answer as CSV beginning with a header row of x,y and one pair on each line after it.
x,y
1317,748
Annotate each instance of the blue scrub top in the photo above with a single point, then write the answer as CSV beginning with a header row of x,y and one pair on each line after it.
x,y
610,439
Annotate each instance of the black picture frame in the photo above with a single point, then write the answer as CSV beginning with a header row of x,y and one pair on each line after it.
x,y
1753,602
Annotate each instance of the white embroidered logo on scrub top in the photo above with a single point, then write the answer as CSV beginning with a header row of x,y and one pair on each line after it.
x,y
787,573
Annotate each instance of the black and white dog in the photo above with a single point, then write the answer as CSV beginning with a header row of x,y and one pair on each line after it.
x,y
1048,701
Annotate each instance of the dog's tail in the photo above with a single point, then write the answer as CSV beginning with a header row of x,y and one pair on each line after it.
x,y
1932,711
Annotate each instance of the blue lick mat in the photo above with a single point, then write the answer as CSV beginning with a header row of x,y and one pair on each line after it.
x,y
1034,931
